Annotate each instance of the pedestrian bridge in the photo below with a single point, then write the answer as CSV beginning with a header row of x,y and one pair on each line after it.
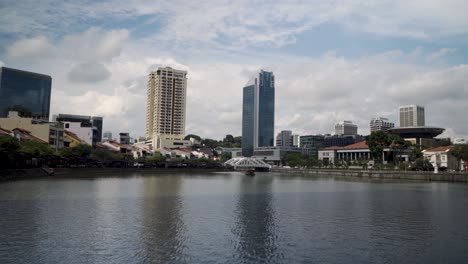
x,y
247,164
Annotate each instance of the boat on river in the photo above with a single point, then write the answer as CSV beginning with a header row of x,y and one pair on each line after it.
x,y
250,172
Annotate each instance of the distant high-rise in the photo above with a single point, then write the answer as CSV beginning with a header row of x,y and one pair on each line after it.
x,y
284,139
412,116
345,128
107,135
25,92
380,124
166,105
258,113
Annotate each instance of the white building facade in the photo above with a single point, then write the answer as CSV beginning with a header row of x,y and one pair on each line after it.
x,y
166,107
380,124
345,128
85,133
412,116
442,158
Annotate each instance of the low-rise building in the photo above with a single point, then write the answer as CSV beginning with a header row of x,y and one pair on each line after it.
x,y
443,158
71,140
86,132
51,132
274,155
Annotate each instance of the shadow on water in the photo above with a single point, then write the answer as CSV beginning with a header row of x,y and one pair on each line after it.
x,y
255,225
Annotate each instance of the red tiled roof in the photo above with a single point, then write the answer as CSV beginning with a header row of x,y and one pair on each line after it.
x,y
4,131
358,145
333,148
443,148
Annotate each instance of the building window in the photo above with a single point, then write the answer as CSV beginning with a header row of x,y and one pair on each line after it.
x,y
67,125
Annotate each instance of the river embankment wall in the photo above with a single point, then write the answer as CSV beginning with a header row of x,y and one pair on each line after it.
x,y
380,174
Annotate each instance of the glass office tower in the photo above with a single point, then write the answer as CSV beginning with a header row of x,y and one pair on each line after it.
x,y
27,93
258,113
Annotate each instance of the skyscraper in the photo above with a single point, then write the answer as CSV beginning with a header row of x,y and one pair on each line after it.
x,y
25,92
412,116
380,124
166,104
258,112
345,128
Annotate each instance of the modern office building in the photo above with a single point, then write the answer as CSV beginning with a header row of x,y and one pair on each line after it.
x,y
284,139
345,128
296,140
380,124
258,113
27,93
311,144
166,107
412,116
93,122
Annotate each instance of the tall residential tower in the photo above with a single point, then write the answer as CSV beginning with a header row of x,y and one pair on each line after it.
x,y
380,124
166,105
258,113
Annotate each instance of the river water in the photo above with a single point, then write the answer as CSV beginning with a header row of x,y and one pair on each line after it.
x,y
231,218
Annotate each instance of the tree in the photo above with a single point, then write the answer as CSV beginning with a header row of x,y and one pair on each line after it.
x,y
229,138
211,143
377,141
79,151
461,152
36,148
226,156
187,137
9,144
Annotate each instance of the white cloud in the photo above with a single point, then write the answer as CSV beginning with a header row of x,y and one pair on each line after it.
x,y
31,48
439,54
2,63
94,44
88,72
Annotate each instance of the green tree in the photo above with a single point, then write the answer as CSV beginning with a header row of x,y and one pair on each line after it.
x,y
36,148
229,138
226,156
211,143
416,153
198,138
79,151
9,144
377,141
461,152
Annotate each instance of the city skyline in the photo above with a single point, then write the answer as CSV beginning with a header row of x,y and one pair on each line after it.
x,y
344,66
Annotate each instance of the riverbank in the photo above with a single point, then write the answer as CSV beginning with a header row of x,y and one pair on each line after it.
x,y
374,174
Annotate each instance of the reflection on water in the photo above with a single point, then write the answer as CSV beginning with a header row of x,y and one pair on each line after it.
x,y
231,218
163,226
255,225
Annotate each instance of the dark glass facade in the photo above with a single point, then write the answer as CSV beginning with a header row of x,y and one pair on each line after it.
x,y
27,93
266,113
248,106
258,113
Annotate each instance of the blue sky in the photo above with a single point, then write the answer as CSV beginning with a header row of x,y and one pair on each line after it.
x,y
333,60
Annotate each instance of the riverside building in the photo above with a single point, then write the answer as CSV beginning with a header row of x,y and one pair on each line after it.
x,y
258,113
166,107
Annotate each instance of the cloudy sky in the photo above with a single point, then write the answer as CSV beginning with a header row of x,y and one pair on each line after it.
x,y
333,60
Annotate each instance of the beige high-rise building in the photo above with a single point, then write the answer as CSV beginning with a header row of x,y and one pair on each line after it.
x,y
165,108
412,116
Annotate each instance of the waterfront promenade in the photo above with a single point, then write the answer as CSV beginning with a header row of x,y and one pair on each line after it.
x,y
382,174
